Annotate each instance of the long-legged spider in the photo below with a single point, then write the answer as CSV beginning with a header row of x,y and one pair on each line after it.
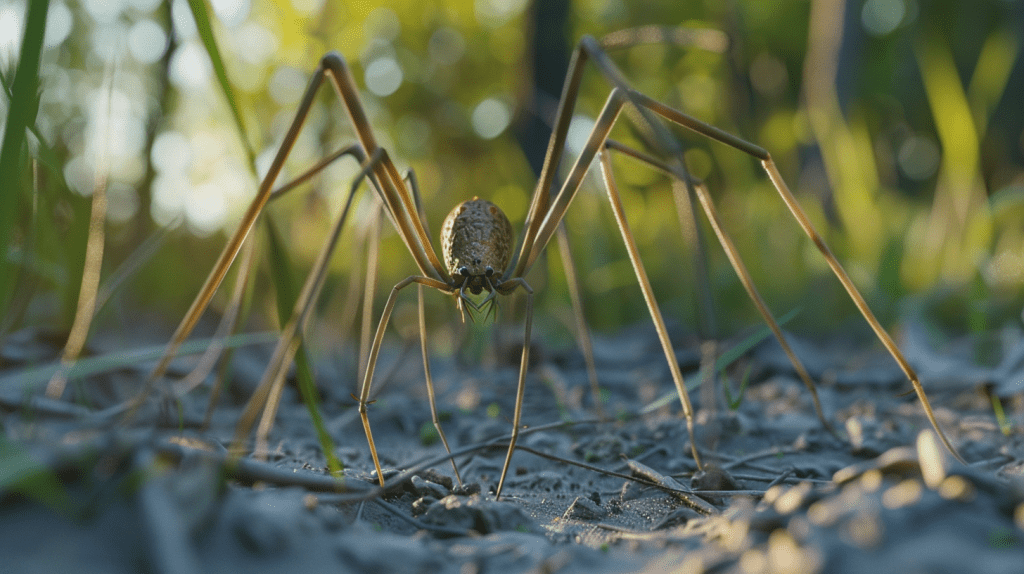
x,y
478,252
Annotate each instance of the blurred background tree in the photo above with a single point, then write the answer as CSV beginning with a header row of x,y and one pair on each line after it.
x,y
898,123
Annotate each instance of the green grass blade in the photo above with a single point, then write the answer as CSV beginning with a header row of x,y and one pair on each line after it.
x,y
991,75
1004,423
20,473
27,380
743,347
45,153
281,270
203,24
724,360
280,267
20,115
734,403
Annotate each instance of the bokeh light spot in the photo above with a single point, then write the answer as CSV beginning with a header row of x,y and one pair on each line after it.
x,y
494,13
122,203
104,11
308,7
579,131
254,43
918,157
231,12
147,41
287,85
59,21
382,24
167,198
768,74
490,118
414,133
383,76
184,23
10,33
205,209
114,126
190,67
171,152
881,17
699,91
108,41
446,46
78,175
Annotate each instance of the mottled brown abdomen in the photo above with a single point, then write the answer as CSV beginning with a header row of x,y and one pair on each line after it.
x,y
476,235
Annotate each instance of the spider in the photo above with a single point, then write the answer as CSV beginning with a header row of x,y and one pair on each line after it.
x,y
478,252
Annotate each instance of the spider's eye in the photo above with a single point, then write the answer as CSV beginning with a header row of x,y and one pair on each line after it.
x,y
464,271
489,271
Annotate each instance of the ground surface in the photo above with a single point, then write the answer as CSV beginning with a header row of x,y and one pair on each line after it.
x,y
787,496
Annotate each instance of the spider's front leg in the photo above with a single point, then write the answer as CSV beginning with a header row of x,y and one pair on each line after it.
x,y
371,365
506,288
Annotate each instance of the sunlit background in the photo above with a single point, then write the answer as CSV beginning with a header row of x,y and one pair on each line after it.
x,y
898,124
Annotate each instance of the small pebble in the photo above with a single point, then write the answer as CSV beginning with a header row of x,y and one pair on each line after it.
x,y
713,477
427,488
630,491
478,514
584,509
468,489
421,505
681,515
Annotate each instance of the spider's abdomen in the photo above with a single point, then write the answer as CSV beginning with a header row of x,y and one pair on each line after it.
x,y
476,236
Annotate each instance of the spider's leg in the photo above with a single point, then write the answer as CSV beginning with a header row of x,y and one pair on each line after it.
x,y
370,283
705,39
234,244
355,150
430,382
700,189
587,49
524,361
555,214
417,198
541,194
243,282
534,245
268,392
401,207
782,188
364,394
652,305
711,40
491,312
646,107
576,300
644,103
748,283
855,296
227,325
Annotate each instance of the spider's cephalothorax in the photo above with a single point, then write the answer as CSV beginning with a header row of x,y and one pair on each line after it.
x,y
476,244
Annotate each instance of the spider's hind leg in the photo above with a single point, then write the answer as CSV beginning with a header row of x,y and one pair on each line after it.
x,y
430,383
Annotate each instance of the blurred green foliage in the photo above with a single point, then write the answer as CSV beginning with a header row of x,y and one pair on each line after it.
x,y
898,124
